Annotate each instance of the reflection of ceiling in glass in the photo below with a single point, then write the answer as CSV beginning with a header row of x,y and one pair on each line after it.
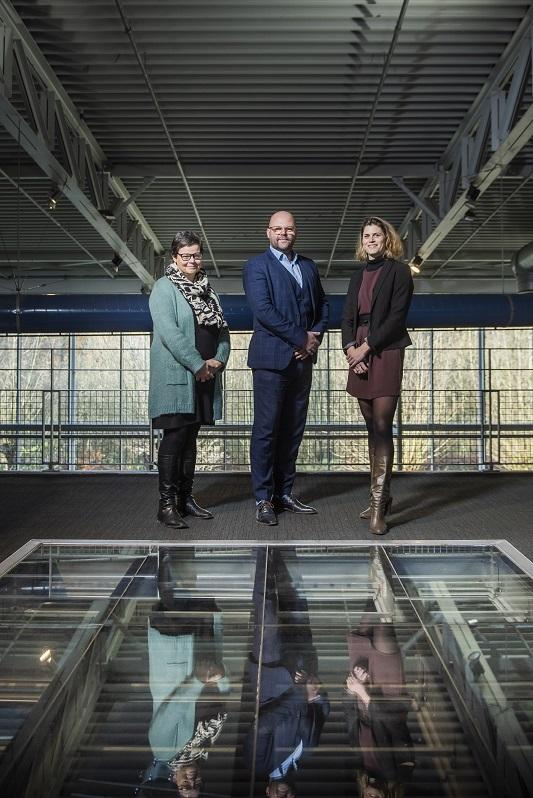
x,y
248,669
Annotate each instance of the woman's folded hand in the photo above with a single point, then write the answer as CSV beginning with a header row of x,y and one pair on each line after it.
x,y
204,374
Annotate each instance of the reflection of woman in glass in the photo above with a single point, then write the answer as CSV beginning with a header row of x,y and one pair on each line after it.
x,y
374,337
376,707
190,347
187,682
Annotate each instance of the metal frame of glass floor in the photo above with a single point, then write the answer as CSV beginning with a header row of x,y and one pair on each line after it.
x,y
157,668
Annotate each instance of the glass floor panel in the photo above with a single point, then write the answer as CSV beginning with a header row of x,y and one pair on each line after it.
x,y
142,669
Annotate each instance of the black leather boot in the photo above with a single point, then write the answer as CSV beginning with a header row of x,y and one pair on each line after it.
x,y
189,506
168,513
187,503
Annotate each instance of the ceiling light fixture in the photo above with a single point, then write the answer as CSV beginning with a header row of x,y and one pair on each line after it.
x,y
107,214
472,194
415,264
116,261
53,199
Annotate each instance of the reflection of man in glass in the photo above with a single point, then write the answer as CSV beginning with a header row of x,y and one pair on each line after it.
x,y
292,704
376,708
187,679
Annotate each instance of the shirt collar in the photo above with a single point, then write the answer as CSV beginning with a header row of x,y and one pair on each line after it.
x,y
279,255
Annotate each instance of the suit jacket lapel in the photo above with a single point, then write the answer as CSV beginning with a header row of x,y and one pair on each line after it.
x,y
385,270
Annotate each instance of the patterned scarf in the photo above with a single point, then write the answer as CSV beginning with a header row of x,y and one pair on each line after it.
x,y
200,296
203,738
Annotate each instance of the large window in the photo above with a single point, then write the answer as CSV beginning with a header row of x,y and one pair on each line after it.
x,y
79,402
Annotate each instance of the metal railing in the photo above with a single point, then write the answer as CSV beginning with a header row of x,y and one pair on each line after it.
x,y
80,402
433,430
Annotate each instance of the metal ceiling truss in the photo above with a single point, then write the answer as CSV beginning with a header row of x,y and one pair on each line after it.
x,y
464,167
59,142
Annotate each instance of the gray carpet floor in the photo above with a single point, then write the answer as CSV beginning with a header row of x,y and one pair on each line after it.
x,y
123,506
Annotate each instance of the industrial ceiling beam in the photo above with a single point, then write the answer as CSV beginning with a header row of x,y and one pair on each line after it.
x,y
250,170
495,166
53,112
36,147
261,170
452,256
58,224
462,166
56,281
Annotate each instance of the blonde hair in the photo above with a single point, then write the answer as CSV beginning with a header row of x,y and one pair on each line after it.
x,y
393,242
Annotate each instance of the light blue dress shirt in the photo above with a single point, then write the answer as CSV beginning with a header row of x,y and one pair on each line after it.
x,y
292,266
290,761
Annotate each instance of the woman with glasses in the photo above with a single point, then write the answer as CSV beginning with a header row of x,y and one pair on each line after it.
x,y
190,347
374,337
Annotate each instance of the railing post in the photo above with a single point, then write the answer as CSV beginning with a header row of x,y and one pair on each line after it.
x,y
432,399
43,426
481,398
72,443
120,404
54,429
18,405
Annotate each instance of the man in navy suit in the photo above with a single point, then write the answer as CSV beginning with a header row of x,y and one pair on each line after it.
x,y
290,312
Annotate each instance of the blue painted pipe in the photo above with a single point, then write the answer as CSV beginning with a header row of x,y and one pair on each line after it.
x,y
86,313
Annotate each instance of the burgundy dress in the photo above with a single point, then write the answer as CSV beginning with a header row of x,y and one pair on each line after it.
x,y
384,375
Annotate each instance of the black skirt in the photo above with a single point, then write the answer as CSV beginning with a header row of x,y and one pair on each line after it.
x,y
206,341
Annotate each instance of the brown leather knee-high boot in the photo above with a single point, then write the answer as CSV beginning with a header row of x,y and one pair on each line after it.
x,y
367,513
381,477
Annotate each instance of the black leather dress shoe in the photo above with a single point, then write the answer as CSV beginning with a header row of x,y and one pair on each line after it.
x,y
191,507
264,514
294,505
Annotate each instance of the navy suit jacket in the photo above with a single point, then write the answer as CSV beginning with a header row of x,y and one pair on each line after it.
x,y
282,723
269,289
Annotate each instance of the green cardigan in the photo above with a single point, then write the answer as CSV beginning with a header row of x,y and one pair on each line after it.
x,y
174,359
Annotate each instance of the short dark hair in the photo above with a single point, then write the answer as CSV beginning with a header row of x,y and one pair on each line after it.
x,y
185,238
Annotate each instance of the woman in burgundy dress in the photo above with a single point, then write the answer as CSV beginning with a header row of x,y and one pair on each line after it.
x,y
374,337
376,709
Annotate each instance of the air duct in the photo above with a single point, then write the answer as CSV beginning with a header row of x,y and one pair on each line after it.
x,y
522,262
95,313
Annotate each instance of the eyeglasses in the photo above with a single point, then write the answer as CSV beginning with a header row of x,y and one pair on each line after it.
x,y
290,230
194,256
